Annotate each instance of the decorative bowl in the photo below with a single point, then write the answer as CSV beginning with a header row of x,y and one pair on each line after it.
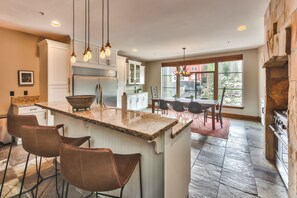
x,y
81,101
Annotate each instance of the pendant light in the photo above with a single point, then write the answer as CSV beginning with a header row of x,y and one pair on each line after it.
x,y
73,55
89,51
102,50
107,46
86,58
184,71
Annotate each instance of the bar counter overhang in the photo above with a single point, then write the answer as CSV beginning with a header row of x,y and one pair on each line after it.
x,y
164,143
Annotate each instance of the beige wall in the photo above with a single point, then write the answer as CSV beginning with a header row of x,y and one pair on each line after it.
x,y
18,51
251,81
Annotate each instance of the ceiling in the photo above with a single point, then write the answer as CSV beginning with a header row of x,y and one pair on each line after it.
x,y
158,29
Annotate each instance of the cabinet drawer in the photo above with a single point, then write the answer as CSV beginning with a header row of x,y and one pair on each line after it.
x,y
29,109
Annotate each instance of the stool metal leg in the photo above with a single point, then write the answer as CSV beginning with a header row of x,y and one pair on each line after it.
x,y
5,170
23,180
122,191
140,178
56,174
38,175
67,188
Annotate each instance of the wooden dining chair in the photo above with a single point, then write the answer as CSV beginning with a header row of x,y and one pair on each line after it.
x,y
218,113
154,93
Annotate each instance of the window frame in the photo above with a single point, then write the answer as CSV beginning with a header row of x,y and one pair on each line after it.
x,y
215,60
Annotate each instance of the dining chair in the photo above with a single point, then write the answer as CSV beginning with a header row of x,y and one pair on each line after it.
x,y
218,113
154,93
45,141
196,108
97,170
178,107
163,106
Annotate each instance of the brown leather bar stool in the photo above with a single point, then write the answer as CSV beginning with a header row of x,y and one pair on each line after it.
x,y
45,141
97,170
14,123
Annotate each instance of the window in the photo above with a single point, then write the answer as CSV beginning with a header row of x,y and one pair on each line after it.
x,y
230,76
168,82
209,77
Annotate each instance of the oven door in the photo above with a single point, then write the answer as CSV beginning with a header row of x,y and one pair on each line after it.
x,y
281,152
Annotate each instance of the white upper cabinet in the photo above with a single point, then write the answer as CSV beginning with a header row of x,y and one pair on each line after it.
x,y
54,70
96,60
136,73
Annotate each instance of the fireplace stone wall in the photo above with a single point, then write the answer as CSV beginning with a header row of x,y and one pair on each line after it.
x,y
280,54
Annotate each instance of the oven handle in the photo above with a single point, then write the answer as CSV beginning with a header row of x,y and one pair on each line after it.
x,y
277,134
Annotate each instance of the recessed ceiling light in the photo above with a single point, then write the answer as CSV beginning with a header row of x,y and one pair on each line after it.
x,y
135,50
242,28
55,24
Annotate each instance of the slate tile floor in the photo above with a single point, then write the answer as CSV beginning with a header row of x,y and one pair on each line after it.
x,y
232,168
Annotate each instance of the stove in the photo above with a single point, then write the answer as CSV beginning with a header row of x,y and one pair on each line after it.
x,y
279,128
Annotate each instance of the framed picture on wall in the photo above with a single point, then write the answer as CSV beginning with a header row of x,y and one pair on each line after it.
x,y
26,78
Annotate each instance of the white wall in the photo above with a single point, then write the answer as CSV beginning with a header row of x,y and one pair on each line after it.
x,y
250,80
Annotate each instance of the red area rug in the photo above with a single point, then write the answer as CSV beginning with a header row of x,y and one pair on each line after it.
x,y
197,127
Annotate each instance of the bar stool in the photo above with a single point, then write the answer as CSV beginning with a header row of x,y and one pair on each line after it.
x,y
97,170
45,141
14,123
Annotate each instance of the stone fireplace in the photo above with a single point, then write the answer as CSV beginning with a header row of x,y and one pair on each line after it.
x,y
280,54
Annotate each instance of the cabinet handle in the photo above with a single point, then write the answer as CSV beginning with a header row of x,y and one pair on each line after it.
x,y
33,109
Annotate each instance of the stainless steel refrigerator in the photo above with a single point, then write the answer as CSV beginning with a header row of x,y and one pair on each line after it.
x,y
86,84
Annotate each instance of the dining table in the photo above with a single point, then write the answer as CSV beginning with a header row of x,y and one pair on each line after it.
x,y
205,103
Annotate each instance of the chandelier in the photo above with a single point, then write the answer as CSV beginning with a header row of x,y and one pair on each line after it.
x,y
182,70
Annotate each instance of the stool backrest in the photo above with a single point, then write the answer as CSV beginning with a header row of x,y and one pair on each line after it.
x,y
41,140
178,106
15,122
89,169
195,107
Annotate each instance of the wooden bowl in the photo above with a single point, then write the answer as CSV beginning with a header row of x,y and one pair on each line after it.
x,y
81,101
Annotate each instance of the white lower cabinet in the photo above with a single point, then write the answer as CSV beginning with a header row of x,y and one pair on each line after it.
x,y
31,110
137,101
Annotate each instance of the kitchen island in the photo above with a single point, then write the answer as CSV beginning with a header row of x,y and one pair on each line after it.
x,y
164,144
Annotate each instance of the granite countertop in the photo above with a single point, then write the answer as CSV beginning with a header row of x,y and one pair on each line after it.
x,y
23,101
144,125
180,126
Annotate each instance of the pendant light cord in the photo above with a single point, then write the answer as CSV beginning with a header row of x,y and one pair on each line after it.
x,y
85,24
108,21
88,23
102,23
73,12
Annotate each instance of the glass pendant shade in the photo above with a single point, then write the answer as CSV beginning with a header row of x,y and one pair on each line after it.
x,y
102,53
89,53
73,57
86,58
107,49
